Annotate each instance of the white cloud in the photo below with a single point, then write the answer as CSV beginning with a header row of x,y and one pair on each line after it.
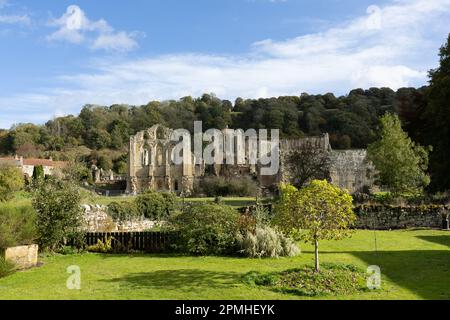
x,y
22,19
12,19
75,27
397,53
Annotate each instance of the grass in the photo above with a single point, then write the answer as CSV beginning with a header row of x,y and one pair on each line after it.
x,y
24,199
415,264
231,201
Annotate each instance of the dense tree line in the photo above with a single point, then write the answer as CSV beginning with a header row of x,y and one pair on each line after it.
x,y
351,120
100,134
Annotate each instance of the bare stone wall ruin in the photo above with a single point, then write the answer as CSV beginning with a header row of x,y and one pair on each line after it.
x,y
96,219
150,166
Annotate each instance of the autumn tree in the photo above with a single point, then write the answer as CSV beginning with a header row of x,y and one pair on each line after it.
x,y
319,211
401,163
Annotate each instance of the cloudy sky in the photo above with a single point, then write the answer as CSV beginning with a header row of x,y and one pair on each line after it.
x,y
56,56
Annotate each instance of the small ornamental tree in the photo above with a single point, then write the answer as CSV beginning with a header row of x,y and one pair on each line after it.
x,y
319,211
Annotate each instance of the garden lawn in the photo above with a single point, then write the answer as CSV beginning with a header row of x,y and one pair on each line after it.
x,y
24,199
235,202
414,264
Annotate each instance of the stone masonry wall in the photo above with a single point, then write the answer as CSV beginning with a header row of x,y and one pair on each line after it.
x,y
382,217
97,220
350,170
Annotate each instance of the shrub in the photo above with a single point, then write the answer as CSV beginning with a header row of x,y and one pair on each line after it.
x,y
155,205
6,268
220,186
101,246
59,213
122,211
11,180
17,226
208,229
266,242
68,250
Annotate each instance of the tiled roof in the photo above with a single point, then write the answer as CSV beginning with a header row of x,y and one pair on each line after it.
x,y
10,161
33,162
44,163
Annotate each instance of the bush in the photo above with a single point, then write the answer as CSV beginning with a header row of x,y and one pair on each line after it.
x,y
11,180
156,205
122,211
68,250
17,226
207,229
101,246
266,242
6,268
220,186
59,213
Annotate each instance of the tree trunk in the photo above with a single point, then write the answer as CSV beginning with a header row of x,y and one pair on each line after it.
x,y
317,256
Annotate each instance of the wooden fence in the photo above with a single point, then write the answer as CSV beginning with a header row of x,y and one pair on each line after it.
x,y
150,242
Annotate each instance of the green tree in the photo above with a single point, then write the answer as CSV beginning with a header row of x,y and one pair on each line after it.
x,y
317,212
437,120
38,173
11,180
59,213
105,162
308,163
401,163
77,171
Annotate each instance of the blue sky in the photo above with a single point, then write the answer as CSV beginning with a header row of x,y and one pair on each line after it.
x,y
56,56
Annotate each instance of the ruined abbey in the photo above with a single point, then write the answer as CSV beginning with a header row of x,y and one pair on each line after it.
x,y
150,165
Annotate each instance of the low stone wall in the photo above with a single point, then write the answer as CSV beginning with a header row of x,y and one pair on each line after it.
x,y
97,220
385,217
22,257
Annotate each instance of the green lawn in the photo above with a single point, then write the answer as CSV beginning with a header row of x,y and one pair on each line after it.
x,y
414,264
231,201
24,199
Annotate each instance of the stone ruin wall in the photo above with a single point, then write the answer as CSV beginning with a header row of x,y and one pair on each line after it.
x,y
96,219
350,170
385,217
150,166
